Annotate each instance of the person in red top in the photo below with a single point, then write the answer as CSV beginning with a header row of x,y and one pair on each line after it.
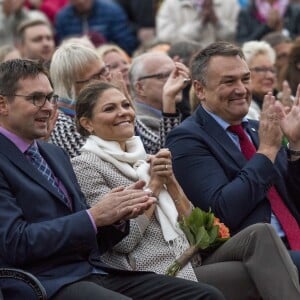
x,y
48,7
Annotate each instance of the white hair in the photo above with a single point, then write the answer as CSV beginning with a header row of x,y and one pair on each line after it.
x,y
137,68
254,48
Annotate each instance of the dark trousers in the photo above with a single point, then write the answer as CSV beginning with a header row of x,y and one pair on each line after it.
x,y
145,286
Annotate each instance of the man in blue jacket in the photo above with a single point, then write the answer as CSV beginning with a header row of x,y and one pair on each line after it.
x,y
244,176
102,20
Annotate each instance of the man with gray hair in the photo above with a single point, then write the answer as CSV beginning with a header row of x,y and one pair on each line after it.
x,y
156,82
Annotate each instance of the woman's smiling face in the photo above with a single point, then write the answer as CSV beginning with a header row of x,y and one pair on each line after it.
x,y
112,117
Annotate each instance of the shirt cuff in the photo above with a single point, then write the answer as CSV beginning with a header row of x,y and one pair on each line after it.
x,y
92,221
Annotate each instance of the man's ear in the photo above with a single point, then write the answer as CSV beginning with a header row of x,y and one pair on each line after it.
x,y
199,89
3,106
139,88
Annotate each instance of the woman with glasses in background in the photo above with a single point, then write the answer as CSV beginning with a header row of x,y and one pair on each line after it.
x,y
117,60
260,58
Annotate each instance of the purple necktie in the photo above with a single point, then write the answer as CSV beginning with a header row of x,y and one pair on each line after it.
x,y
284,216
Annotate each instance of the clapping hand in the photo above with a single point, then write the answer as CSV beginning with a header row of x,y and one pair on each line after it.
x,y
290,123
286,97
122,204
270,134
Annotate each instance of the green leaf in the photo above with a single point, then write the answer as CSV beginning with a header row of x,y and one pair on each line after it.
x,y
200,235
210,220
213,233
188,233
196,218
204,242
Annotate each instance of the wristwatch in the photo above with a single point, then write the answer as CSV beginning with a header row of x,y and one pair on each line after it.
x,y
291,152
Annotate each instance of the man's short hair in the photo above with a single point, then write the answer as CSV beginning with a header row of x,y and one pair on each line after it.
x,y
200,60
13,70
30,23
276,38
184,50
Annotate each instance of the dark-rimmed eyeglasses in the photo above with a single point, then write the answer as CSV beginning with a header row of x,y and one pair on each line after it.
x,y
38,100
158,76
264,70
103,73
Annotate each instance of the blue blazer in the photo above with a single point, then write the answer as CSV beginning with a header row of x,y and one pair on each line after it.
x,y
215,174
38,231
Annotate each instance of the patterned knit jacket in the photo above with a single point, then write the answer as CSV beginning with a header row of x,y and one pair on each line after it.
x,y
144,249
65,134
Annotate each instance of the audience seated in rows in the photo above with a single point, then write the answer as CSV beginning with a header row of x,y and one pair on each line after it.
x,y
72,67
58,238
112,156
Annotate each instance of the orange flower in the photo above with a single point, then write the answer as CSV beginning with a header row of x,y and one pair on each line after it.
x,y
223,229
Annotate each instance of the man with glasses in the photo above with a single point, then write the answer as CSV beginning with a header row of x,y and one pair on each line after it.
x,y
46,227
156,83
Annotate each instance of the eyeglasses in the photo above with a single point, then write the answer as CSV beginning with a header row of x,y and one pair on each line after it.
x,y
104,72
39,100
264,70
158,76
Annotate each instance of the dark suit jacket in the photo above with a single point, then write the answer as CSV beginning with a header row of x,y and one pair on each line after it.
x,y
214,173
38,232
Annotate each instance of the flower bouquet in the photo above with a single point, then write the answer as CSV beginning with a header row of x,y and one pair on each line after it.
x,y
204,232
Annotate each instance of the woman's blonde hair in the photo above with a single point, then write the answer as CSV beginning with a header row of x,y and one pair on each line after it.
x,y
69,60
104,49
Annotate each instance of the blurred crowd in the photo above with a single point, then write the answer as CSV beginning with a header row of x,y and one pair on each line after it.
x,y
34,28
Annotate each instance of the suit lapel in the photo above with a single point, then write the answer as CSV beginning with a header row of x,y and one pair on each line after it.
x,y
252,130
17,158
219,135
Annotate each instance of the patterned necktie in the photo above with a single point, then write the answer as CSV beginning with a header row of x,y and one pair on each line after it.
x,y
42,166
284,216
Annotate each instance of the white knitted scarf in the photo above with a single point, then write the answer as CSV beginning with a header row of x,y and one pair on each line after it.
x,y
132,163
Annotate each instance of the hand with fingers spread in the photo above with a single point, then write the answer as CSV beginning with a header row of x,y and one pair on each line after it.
x,y
177,81
270,134
290,124
122,204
